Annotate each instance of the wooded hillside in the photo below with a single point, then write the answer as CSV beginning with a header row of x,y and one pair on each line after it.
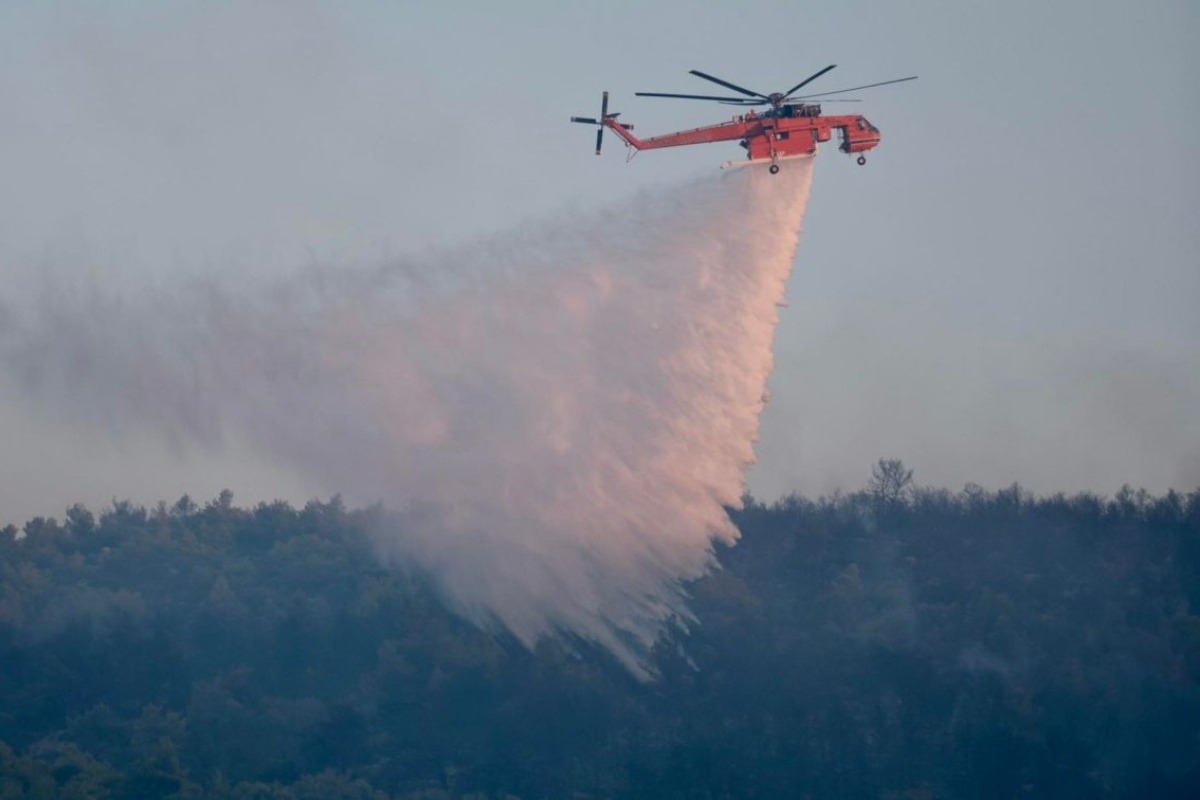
x,y
892,643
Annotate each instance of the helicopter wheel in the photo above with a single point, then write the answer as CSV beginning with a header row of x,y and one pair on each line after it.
x,y
862,160
773,169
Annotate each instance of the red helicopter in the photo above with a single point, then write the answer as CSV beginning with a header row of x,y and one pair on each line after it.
x,y
790,128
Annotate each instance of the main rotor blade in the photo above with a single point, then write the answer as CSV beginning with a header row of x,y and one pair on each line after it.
x,y
855,89
604,106
599,138
587,120
809,80
727,84
737,100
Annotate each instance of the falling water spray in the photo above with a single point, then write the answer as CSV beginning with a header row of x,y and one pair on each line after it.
x,y
558,416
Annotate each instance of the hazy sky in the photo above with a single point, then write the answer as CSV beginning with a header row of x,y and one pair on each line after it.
x,y
1006,292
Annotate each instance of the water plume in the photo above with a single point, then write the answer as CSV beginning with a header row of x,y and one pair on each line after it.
x,y
558,416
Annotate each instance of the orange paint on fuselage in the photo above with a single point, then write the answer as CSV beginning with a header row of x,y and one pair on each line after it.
x,y
791,130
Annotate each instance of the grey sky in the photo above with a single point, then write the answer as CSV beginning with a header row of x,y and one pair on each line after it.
x,y
1007,291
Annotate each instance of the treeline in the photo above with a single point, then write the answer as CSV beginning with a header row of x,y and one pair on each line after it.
x,y
897,642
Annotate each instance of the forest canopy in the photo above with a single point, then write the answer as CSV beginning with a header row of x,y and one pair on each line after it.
x,y
896,642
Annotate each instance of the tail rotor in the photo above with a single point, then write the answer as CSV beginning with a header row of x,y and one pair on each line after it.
x,y
601,122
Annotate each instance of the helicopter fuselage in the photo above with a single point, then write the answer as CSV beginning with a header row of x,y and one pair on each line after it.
x,y
786,131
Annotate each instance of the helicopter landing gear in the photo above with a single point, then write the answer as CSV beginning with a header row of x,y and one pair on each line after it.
x,y
862,160
773,169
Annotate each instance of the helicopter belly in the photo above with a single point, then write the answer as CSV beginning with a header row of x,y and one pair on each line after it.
x,y
764,162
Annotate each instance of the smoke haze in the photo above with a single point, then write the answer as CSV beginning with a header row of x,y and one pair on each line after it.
x,y
558,415
959,401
